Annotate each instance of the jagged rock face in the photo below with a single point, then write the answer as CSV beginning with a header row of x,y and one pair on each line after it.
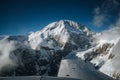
x,y
102,50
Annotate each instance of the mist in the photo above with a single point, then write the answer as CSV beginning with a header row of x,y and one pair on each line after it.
x,y
6,47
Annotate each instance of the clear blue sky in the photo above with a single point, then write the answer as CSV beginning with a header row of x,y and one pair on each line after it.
x,y
24,16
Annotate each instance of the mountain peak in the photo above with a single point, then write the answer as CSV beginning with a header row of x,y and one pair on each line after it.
x,y
61,31
68,25
67,21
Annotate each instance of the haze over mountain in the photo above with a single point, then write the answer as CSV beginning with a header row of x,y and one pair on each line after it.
x,y
40,52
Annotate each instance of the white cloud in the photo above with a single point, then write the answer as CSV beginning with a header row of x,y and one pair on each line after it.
x,y
6,47
97,10
99,20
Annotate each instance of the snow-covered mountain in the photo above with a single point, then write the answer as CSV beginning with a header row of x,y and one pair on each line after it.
x,y
63,34
40,53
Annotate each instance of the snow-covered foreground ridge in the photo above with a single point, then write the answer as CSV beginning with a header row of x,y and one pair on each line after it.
x,y
40,53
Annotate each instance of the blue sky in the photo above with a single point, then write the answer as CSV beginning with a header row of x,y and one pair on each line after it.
x,y
23,16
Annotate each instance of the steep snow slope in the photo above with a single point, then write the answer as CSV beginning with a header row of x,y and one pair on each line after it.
x,y
106,54
112,66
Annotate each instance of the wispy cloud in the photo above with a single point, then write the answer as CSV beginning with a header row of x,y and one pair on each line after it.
x,y
99,18
102,13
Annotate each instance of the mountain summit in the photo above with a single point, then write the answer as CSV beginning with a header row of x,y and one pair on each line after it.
x,y
65,33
